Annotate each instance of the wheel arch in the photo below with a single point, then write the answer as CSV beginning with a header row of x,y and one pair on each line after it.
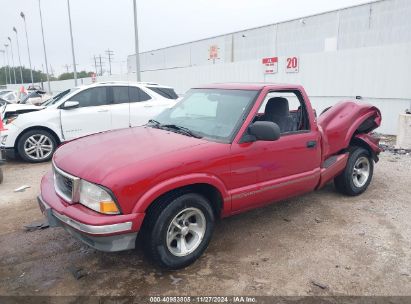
x,y
56,137
208,191
365,141
211,188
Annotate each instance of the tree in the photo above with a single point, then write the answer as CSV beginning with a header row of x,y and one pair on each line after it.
x,y
38,76
82,74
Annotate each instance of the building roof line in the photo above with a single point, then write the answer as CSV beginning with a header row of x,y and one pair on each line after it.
x,y
262,26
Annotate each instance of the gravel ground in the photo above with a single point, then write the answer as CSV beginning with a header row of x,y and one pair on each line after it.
x,y
321,243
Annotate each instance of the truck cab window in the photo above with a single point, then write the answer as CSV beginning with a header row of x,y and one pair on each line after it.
x,y
286,109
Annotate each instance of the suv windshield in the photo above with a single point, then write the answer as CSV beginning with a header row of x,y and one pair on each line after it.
x,y
56,98
210,113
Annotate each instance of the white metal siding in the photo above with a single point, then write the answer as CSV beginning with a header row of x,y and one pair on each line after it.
x,y
375,24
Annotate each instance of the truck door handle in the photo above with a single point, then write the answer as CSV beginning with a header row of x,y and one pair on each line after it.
x,y
102,110
148,106
311,144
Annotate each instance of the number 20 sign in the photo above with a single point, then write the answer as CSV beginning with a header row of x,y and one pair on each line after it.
x,y
292,65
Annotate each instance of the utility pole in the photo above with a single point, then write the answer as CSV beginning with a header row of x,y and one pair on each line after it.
x,y
42,73
136,42
12,60
72,44
5,67
44,48
95,63
67,66
28,48
101,67
18,53
110,55
8,62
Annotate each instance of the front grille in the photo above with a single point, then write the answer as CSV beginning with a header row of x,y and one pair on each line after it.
x,y
65,185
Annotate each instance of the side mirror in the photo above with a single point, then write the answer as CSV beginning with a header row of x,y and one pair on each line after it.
x,y
70,105
264,130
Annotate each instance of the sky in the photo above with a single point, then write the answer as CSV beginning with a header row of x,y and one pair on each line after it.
x,y
99,25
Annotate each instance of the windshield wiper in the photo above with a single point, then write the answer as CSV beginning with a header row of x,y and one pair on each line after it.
x,y
155,122
182,130
179,129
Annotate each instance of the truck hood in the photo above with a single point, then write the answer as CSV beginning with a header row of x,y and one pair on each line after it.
x,y
101,156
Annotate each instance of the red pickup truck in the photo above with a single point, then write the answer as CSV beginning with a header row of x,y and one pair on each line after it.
x,y
222,150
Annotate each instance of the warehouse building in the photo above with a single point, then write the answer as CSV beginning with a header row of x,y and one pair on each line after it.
x,y
358,52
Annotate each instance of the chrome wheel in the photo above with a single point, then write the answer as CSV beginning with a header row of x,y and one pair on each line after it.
x,y
361,172
186,231
38,146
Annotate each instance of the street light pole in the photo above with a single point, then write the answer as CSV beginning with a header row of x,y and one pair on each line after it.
x,y
18,53
5,66
12,60
44,48
72,44
28,48
8,62
136,42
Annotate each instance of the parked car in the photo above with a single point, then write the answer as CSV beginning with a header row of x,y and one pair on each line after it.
x,y
3,102
222,150
34,88
11,96
34,132
36,97
3,92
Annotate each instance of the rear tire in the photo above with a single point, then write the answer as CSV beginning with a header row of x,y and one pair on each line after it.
x,y
357,174
36,146
177,230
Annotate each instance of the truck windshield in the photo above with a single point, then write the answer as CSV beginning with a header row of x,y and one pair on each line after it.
x,y
211,113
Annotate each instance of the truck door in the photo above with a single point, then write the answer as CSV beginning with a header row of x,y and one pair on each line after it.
x,y
91,116
290,165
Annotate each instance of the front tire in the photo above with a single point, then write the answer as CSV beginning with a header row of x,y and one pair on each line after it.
x,y
357,174
36,146
178,230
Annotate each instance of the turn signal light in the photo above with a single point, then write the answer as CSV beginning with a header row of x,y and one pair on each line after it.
x,y
109,207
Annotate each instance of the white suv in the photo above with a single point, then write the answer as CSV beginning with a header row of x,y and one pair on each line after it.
x,y
34,132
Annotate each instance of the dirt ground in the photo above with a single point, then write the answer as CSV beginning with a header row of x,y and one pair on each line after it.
x,y
319,244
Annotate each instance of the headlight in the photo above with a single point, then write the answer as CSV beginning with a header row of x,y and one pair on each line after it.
x,y
97,199
10,119
3,140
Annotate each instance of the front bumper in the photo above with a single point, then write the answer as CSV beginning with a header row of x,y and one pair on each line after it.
x,y
7,153
2,156
102,232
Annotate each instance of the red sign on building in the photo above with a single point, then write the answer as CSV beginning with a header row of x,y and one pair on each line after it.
x,y
270,65
293,65
213,52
